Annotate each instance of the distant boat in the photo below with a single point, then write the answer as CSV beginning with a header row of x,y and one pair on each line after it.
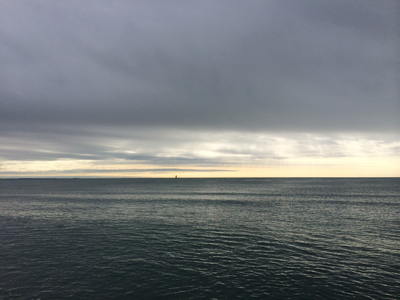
x,y
176,176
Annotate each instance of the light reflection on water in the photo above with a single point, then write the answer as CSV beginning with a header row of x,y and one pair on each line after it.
x,y
200,238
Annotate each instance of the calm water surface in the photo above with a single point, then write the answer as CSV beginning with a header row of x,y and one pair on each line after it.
x,y
200,239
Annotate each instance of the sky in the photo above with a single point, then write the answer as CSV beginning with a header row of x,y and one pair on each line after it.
x,y
277,88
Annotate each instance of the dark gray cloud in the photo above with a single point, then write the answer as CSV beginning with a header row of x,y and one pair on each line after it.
x,y
309,65
94,172
72,69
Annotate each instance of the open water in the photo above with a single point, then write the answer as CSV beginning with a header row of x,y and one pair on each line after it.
x,y
200,239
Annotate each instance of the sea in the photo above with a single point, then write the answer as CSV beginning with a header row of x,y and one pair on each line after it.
x,y
233,238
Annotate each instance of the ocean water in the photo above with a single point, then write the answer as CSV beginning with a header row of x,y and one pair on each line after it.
x,y
200,238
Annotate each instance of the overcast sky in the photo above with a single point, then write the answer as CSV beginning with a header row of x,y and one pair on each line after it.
x,y
202,88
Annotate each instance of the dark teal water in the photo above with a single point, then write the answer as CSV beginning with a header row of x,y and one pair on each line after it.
x,y
200,239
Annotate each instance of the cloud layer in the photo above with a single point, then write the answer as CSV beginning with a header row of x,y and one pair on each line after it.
x,y
139,80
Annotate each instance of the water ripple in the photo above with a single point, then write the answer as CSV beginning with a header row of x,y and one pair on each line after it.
x,y
205,239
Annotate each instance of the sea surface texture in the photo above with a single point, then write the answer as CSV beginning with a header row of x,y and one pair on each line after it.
x,y
200,239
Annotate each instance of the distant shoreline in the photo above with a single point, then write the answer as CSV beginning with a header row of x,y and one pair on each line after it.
x,y
109,178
